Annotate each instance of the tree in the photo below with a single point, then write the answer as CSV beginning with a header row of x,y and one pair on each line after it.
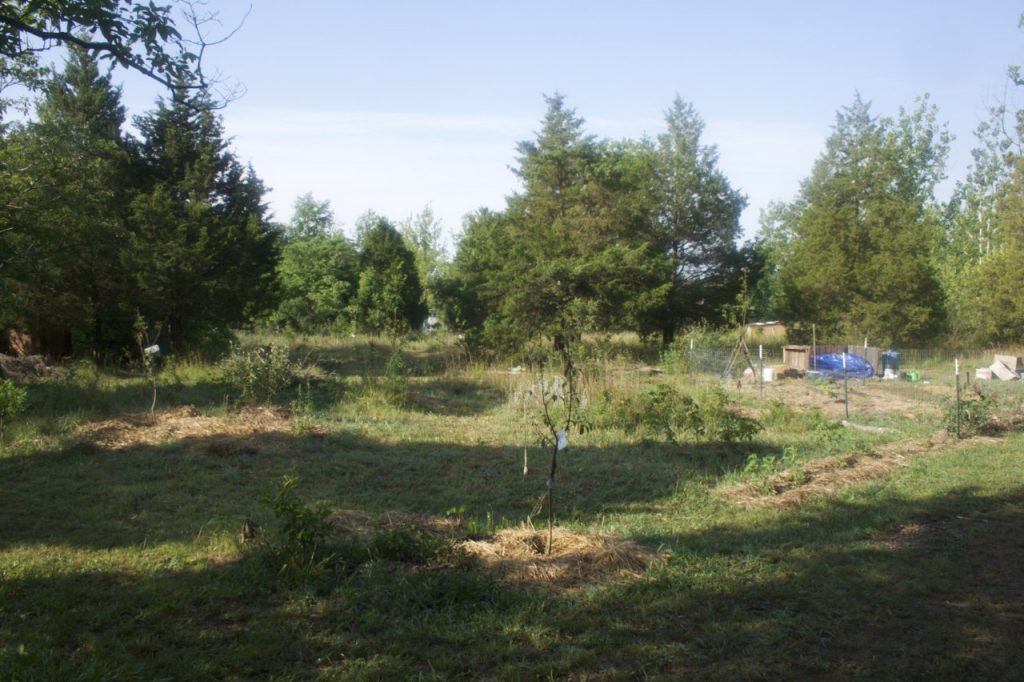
x,y
697,218
310,218
319,278
71,215
139,36
202,251
582,254
865,225
423,235
390,297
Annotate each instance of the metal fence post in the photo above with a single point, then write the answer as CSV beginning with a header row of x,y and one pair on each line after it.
x,y
956,366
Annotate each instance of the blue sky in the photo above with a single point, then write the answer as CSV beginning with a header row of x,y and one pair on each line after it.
x,y
391,106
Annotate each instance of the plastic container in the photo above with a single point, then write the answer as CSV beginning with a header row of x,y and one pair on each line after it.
x,y
890,361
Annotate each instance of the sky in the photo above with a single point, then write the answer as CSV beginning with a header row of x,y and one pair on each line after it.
x,y
393,106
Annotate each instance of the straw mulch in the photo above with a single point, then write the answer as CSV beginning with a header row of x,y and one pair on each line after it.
x,y
792,488
166,426
518,556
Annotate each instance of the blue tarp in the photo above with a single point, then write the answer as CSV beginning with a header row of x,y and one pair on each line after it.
x,y
831,364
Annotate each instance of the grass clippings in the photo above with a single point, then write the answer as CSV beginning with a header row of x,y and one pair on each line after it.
x,y
144,429
793,486
517,556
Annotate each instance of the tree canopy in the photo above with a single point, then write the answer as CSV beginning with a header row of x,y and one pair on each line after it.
x,y
142,36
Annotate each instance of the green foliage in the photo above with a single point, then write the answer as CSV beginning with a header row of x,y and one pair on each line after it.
x,y
137,36
304,549
975,412
300,546
318,277
393,385
389,299
258,374
311,219
697,223
663,413
861,234
12,402
200,248
721,422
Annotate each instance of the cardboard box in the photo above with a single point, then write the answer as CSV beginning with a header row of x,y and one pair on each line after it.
x,y
1012,362
1003,372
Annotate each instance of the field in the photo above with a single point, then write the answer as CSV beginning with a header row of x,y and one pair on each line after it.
x,y
392,491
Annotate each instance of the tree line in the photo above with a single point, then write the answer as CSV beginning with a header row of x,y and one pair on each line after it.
x,y
102,230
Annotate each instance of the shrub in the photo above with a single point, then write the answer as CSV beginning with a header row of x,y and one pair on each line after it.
x,y
974,414
721,422
259,374
12,402
299,550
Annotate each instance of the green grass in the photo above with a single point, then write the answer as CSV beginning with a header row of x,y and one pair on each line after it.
x,y
125,563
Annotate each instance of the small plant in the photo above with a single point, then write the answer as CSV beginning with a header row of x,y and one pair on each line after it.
x,y
974,414
149,352
259,374
302,532
302,408
12,402
721,422
394,384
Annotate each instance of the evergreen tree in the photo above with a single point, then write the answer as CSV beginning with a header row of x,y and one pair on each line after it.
x,y
698,219
74,182
389,299
865,226
203,252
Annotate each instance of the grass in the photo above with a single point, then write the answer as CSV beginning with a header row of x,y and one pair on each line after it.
x,y
120,557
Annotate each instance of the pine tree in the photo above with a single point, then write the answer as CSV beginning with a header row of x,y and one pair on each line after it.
x,y
203,252
75,167
865,226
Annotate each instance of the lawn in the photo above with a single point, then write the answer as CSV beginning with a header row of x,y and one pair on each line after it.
x,y
810,550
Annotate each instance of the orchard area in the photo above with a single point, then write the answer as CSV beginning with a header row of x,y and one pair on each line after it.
x,y
316,507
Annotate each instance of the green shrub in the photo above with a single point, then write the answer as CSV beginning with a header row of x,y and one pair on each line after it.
x,y
663,413
299,547
12,402
974,414
721,422
259,374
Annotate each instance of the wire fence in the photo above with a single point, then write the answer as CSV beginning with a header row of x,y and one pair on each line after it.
x,y
908,382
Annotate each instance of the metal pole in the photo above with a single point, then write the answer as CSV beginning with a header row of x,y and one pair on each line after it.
x,y
846,385
760,355
814,347
957,369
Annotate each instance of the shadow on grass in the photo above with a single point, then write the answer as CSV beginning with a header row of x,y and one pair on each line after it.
x,y
106,496
883,589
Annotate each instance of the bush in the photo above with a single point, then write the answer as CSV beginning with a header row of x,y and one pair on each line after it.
x,y
974,414
299,549
259,374
12,402
663,413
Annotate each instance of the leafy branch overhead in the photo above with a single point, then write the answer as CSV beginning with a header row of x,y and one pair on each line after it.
x,y
139,36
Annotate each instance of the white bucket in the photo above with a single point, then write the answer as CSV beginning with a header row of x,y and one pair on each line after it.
x,y
768,373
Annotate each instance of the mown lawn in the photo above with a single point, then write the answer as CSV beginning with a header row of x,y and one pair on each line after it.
x,y
120,556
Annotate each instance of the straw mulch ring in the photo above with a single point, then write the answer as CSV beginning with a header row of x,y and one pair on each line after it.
x,y
818,478
517,556
144,429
